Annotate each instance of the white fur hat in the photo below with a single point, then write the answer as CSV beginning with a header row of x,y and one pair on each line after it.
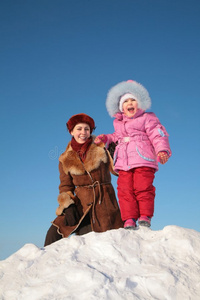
x,y
127,87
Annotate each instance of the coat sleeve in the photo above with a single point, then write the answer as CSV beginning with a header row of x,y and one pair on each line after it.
x,y
66,182
157,134
66,189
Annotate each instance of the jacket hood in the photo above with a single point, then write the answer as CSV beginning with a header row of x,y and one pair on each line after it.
x,y
136,89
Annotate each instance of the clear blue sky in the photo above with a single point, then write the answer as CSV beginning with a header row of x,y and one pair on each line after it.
x,y
59,58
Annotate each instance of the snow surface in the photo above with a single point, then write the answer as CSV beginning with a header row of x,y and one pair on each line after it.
x,y
117,264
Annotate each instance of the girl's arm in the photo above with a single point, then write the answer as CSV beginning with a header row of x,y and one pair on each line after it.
x,y
158,136
106,139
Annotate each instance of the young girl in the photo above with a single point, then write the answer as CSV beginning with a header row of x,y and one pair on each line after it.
x,y
141,142
87,199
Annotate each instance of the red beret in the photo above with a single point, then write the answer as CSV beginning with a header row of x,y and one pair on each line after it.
x,y
80,118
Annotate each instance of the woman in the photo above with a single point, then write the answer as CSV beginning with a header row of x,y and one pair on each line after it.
x,y
87,200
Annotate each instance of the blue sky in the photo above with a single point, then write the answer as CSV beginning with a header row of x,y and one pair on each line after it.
x,y
59,58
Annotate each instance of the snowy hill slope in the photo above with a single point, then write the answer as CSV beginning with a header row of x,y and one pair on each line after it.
x,y
117,264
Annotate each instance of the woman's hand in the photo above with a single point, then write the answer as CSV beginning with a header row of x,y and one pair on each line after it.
x,y
71,215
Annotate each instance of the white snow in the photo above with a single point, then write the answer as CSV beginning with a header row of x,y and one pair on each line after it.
x,y
117,264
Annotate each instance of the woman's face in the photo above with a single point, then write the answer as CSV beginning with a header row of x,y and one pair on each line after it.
x,y
81,132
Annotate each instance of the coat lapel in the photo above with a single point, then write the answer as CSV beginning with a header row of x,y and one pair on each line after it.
x,y
73,165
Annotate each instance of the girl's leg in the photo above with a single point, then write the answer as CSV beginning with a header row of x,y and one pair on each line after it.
x,y
127,200
144,190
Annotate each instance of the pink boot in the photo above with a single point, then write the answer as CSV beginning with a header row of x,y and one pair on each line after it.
x,y
130,224
144,221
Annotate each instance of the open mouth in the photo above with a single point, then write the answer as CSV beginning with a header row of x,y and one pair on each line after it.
x,y
131,109
83,138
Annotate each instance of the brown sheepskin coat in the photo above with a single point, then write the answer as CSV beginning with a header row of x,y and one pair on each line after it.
x,y
88,185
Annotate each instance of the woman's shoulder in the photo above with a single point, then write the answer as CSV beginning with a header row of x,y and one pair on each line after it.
x,y
97,149
96,146
66,152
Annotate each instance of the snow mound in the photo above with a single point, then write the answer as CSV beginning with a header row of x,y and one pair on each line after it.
x,y
117,264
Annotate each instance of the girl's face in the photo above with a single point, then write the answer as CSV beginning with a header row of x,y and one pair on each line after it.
x,y
130,107
81,132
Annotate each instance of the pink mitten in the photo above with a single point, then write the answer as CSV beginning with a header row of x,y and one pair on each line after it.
x,y
102,138
162,157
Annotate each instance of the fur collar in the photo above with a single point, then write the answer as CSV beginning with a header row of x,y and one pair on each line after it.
x,y
72,164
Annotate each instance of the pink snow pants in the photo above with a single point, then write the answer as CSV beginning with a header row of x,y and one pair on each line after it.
x,y
136,192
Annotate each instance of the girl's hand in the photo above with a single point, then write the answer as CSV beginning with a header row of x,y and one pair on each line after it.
x,y
102,138
162,157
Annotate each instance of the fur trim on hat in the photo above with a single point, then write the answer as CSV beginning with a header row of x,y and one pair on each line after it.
x,y
80,118
124,87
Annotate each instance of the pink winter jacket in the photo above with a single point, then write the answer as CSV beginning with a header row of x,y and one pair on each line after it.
x,y
139,140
